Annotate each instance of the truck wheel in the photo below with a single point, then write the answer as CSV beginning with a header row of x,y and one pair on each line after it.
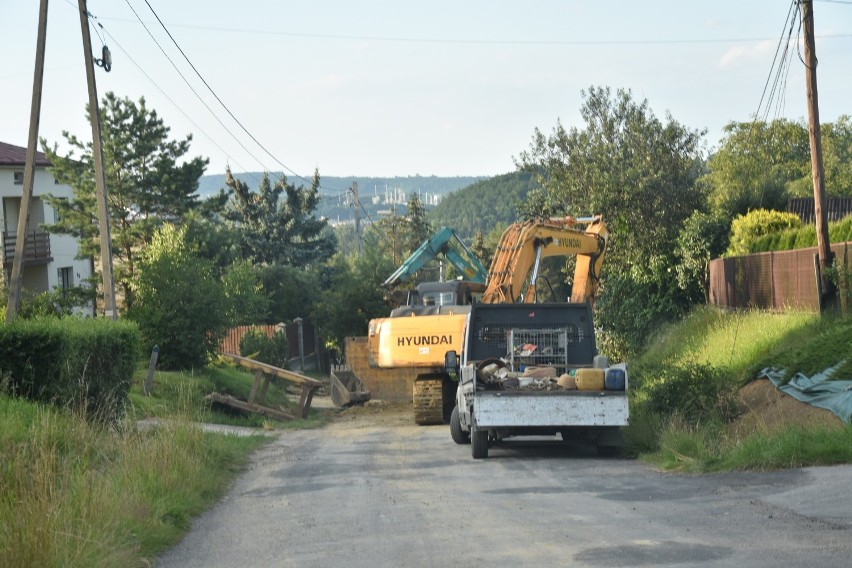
x,y
459,435
608,451
478,441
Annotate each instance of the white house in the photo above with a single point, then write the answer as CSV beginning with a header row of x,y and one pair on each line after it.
x,y
49,260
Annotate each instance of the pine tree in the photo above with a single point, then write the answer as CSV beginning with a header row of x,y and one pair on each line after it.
x,y
276,223
145,184
419,227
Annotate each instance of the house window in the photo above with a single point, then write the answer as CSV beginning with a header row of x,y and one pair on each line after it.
x,y
66,278
59,202
19,178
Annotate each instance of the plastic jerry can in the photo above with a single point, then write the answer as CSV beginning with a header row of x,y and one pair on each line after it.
x,y
614,379
590,379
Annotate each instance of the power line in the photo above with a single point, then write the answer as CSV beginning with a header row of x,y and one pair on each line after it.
x,y
165,94
603,42
237,140
774,60
206,84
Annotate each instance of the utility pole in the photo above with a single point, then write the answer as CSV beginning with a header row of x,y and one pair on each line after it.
x,y
100,176
826,257
14,301
357,214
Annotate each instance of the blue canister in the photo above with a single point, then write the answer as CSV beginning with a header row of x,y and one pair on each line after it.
x,y
614,379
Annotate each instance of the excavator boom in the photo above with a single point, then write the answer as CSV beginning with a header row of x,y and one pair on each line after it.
x,y
523,245
444,242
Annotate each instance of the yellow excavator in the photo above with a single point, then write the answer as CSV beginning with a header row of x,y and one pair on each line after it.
x,y
419,339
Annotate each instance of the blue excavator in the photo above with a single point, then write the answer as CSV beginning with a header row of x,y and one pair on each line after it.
x,y
431,297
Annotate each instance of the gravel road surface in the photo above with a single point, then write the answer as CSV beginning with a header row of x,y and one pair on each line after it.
x,y
374,490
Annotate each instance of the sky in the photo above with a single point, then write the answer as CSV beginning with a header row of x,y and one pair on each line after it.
x,y
401,88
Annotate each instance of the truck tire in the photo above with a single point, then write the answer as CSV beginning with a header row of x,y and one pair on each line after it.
x,y
478,441
459,435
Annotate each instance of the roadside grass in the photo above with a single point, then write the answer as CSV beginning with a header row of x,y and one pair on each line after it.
x,y
708,449
79,493
737,345
183,393
735,340
82,492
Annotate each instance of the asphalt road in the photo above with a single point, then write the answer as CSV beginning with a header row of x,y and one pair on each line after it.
x,y
373,490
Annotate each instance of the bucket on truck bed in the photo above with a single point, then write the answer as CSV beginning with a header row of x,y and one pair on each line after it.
x,y
347,389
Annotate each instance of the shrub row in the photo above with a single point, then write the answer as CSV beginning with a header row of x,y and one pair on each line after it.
x,y
804,237
87,363
270,350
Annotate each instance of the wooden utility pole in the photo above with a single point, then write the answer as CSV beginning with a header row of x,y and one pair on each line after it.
x,y
100,176
14,301
826,257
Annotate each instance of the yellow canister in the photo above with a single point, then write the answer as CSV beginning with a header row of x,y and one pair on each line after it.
x,y
590,379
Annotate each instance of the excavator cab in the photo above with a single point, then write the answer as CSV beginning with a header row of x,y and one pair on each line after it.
x,y
429,298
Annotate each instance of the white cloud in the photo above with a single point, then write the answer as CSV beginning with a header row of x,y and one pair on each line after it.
x,y
746,53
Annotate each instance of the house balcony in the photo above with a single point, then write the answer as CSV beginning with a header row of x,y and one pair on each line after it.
x,y
36,251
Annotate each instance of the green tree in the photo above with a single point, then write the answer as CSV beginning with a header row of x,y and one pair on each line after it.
x,y
292,291
246,301
390,236
704,236
419,227
626,164
277,224
757,165
352,293
148,177
639,172
181,306
761,165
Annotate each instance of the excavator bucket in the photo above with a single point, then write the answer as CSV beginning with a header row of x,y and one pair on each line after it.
x,y
347,389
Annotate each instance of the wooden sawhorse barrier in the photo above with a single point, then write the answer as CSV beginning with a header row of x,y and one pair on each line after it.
x,y
263,373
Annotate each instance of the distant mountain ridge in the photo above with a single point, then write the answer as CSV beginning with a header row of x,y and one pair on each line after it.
x,y
376,194
367,185
485,205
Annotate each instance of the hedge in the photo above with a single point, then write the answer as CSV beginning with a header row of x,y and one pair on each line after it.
x,y
87,363
804,237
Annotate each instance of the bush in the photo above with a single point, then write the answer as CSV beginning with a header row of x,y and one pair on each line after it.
x,y
801,237
83,362
270,350
702,237
746,229
180,306
841,231
631,310
693,392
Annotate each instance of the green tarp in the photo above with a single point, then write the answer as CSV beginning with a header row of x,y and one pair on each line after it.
x,y
816,390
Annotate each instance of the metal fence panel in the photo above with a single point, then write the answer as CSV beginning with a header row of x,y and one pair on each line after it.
x,y
770,280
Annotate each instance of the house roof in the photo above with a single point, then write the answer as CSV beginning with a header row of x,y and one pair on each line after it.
x,y
16,156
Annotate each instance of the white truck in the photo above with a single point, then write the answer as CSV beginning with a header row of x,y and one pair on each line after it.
x,y
514,339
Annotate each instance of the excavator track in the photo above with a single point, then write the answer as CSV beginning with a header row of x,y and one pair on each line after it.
x,y
429,400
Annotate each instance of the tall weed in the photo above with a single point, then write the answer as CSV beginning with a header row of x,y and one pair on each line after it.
x,y
77,493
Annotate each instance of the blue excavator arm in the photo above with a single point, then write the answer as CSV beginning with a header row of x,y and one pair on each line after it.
x,y
447,243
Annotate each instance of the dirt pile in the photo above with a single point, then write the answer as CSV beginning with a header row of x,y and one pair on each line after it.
x,y
767,409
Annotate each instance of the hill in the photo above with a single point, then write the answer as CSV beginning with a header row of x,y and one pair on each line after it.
x,y
376,194
483,205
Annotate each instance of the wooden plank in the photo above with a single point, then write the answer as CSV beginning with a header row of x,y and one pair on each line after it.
x,y
257,408
305,401
263,388
278,372
257,376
